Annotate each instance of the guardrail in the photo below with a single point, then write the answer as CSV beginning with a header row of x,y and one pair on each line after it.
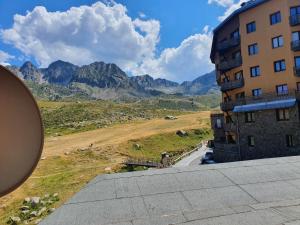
x,y
230,85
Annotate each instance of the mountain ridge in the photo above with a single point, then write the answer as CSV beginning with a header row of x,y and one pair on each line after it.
x,y
107,81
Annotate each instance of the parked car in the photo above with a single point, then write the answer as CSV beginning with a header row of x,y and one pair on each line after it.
x,y
208,158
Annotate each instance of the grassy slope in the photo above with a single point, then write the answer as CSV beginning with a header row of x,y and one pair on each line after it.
x,y
66,174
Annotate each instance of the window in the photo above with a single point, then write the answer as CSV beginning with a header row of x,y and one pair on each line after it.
x,y
238,75
297,62
279,66
282,89
295,10
235,34
251,27
218,123
236,55
253,49
250,117
275,18
289,140
298,86
283,114
296,36
255,71
227,99
256,92
277,42
240,95
251,142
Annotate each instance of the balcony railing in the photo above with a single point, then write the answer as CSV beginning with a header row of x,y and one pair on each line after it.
x,y
295,20
297,71
230,64
295,45
226,45
268,97
230,85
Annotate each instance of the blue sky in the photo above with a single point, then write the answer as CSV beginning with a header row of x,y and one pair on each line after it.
x,y
164,38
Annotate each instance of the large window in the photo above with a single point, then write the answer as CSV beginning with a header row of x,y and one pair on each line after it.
x,y
279,66
277,42
251,141
275,18
249,117
240,95
251,27
289,140
238,75
296,36
297,62
253,49
282,89
283,114
295,10
255,71
257,92
235,34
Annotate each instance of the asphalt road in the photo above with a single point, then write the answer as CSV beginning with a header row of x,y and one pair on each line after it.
x,y
193,159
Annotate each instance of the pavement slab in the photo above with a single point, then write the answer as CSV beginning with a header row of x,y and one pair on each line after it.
x,y
259,192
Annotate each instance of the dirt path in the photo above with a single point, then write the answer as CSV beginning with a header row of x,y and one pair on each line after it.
x,y
118,134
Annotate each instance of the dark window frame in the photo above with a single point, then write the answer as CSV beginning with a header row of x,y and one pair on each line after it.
x,y
282,92
277,41
289,141
254,91
249,117
251,27
257,71
297,7
281,67
251,141
285,115
241,75
275,18
253,49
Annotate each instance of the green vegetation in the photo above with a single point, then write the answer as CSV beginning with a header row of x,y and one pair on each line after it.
x,y
151,148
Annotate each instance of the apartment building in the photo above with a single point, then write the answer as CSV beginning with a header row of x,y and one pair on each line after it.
x,y
256,51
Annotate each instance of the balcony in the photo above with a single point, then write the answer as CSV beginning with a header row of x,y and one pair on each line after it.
x,y
226,45
231,85
297,71
295,45
295,20
228,106
230,64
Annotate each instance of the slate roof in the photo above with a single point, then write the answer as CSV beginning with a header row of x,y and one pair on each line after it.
x,y
259,192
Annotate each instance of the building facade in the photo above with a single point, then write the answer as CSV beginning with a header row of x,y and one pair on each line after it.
x,y
256,51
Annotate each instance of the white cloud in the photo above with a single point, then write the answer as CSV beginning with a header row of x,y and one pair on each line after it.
x,y
104,32
186,62
4,58
230,5
84,34
142,15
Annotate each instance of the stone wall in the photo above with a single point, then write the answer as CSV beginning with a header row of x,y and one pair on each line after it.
x,y
269,134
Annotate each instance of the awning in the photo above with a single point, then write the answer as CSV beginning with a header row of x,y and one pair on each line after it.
x,y
279,104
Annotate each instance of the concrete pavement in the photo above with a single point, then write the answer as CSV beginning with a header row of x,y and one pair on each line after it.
x,y
261,192
193,159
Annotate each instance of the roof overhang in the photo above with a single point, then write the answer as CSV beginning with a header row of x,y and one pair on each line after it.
x,y
249,5
279,104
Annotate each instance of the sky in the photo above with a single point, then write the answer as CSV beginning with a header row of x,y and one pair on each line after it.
x,y
163,38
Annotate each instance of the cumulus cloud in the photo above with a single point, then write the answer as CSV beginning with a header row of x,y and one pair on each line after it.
x,y
84,34
186,62
105,32
4,58
230,5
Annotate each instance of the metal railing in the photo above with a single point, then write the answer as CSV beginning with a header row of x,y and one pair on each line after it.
x,y
231,43
230,64
297,71
230,85
268,97
295,20
295,45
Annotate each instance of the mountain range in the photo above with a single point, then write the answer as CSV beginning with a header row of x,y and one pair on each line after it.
x,y
100,80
